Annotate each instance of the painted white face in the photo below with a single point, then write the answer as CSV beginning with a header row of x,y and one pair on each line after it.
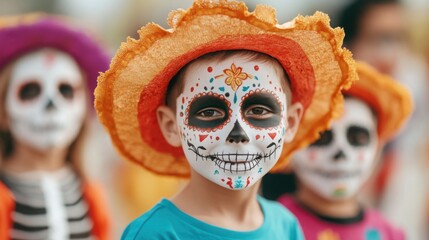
x,y
338,163
46,101
231,116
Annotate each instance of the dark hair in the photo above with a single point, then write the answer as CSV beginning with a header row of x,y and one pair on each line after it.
x,y
351,16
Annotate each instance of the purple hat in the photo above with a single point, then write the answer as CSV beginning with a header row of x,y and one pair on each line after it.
x,y
46,31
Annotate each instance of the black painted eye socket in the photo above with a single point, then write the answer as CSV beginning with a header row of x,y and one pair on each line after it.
x,y
358,136
30,91
261,110
208,112
66,90
325,139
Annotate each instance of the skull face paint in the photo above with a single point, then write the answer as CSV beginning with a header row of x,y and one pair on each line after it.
x,y
46,100
231,116
338,163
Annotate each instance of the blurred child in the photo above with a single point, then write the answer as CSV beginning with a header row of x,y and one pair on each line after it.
x,y
223,97
47,71
333,169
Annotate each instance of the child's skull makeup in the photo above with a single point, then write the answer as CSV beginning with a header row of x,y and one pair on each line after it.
x,y
338,163
46,101
231,116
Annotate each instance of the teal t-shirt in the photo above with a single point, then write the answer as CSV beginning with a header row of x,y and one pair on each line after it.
x,y
166,221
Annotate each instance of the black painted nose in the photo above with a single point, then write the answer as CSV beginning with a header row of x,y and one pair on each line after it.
x,y
237,134
339,156
50,105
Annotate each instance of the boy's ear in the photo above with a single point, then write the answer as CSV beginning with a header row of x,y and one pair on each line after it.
x,y
167,123
294,115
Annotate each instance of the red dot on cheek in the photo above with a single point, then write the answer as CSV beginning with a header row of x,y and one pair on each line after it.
x,y
256,67
217,138
209,69
192,89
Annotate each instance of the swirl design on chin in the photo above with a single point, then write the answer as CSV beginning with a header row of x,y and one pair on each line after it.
x,y
236,162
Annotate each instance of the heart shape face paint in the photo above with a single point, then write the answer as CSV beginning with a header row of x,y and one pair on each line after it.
x,y
231,116
46,100
337,165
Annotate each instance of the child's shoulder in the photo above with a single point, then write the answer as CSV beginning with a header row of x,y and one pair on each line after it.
x,y
281,218
273,208
149,224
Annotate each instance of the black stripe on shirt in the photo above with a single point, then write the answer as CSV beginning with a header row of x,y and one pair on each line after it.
x,y
26,228
80,235
28,210
75,202
76,219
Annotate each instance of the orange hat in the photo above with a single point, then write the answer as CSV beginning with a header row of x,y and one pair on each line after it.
x,y
390,100
129,93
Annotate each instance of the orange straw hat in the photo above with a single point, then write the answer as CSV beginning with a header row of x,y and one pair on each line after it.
x,y
129,93
390,100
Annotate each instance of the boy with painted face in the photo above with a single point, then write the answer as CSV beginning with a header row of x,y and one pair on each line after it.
x,y
333,169
234,125
223,97
44,107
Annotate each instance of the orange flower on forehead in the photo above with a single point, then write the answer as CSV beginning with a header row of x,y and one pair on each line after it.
x,y
235,77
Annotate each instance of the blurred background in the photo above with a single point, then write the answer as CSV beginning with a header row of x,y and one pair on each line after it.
x,y
394,40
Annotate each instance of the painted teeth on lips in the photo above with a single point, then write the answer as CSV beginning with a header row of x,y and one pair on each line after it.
x,y
236,157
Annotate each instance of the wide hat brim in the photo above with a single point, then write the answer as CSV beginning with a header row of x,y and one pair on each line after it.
x,y
22,34
390,100
129,93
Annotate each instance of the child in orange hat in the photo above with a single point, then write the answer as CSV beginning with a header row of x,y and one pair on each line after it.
x,y
223,97
333,169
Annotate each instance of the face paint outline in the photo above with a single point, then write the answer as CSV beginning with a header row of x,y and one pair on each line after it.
x,y
270,93
208,129
325,173
198,73
56,129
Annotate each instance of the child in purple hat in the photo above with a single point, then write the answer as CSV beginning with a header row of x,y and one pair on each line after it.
x,y
47,72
